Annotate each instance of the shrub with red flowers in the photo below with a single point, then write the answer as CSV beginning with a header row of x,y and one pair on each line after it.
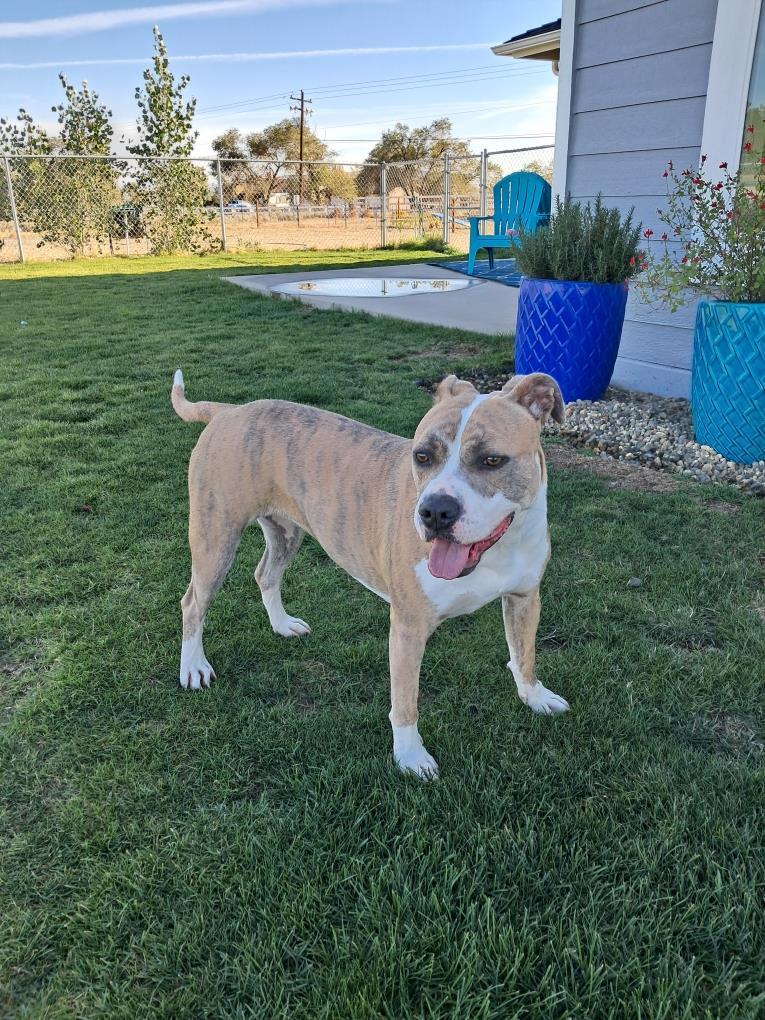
x,y
717,221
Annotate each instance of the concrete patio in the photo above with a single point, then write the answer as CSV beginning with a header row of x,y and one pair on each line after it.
x,y
487,307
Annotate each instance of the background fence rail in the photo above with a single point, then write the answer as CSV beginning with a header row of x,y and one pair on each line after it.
x,y
54,207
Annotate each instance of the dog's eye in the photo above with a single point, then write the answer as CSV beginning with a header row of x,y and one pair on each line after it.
x,y
493,461
421,457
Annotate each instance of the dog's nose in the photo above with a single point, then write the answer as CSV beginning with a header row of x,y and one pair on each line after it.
x,y
439,512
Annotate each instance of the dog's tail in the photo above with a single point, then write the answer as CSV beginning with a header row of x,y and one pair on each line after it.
x,y
200,410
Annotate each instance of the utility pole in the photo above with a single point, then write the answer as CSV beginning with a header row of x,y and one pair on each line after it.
x,y
302,103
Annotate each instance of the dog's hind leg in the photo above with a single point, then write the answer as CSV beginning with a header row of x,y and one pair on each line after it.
x,y
214,542
283,539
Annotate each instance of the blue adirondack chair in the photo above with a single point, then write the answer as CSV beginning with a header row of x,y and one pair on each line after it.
x,y
521,200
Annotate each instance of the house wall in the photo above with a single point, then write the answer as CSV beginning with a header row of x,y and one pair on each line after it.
x,y
638,95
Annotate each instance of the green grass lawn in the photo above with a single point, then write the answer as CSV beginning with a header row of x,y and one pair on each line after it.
x,y
251,851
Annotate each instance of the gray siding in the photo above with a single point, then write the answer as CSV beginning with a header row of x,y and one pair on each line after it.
x,y
638,99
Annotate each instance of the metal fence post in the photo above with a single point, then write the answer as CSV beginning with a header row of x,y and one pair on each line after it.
x,y
12,203
446,198
383,205
484,181
220,207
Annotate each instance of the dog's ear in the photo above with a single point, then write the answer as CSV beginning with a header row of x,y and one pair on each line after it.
x,y
451,386
511,382
539,394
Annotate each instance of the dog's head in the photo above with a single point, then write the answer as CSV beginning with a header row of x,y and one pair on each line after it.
x,y
477,462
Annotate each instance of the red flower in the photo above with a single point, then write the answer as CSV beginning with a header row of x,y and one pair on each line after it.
x,y
684,259
664,236
729,215
762,160
723,166
665,174
748,147
718,186
632,260
697,180
750,128
647,232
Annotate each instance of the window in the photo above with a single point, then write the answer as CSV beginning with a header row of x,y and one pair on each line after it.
x,y
736,79
755,106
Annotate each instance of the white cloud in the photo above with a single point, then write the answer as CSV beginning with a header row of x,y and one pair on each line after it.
x,y
352,51
101,21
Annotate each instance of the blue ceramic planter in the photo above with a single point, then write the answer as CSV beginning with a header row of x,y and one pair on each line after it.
x,y
728,379
571,331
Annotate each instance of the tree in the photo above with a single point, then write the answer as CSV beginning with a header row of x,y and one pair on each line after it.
x,y
325,183
542,167
427,146
238,177
24,137
171,191
68,201
276,151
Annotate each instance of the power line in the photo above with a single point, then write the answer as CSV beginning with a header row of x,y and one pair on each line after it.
x,y
385,85
429,110
351,84
266,107
457,138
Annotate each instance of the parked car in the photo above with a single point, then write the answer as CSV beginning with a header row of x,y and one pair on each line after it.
x,y
238,206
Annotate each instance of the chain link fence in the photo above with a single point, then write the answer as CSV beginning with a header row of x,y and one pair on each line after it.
x,y
55,207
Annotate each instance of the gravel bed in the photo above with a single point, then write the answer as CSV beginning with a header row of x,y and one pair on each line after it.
x,y
643,428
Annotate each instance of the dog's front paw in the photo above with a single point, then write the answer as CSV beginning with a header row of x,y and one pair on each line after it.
x,y
410,755
291,626
196,671
422,764
196,674
542,701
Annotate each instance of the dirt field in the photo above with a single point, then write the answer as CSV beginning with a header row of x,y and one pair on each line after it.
x,y
247,233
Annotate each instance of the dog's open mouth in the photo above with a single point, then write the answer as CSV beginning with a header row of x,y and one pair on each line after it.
x,y
449,560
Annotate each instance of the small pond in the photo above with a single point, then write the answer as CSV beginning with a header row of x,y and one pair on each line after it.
x,y
371,286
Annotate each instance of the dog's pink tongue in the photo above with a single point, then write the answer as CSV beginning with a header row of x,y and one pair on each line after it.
x,y
447,559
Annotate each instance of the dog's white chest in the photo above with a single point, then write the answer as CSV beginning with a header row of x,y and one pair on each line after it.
x,y
515,564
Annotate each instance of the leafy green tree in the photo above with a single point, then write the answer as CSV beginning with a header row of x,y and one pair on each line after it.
x,y
425,148
276,150
67,201
240,179
170,191
543,167
23,137
325,183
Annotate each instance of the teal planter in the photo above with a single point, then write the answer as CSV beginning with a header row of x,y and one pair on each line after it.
x,y
728,379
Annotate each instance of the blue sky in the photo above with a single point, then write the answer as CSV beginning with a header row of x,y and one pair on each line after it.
x,y
245,56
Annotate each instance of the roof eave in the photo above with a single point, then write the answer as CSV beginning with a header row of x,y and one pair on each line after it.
x,y
537,47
